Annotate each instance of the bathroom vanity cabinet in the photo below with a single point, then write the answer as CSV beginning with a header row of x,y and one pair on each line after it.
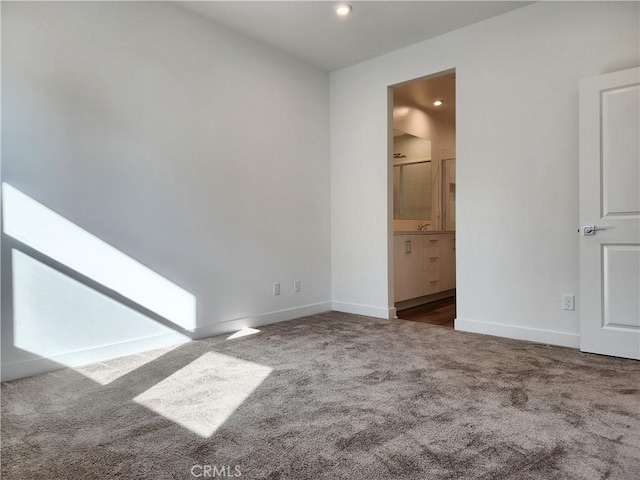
x,y
408,266
424,264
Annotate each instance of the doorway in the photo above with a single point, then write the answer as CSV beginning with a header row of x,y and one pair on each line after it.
x,y
422,114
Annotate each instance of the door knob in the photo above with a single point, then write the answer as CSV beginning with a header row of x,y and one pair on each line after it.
x,y
591,229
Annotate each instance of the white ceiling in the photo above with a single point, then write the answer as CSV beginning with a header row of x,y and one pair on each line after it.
x,y
311,30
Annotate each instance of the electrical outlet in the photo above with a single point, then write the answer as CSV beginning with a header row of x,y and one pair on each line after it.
x,y
276,288
568,302
296,286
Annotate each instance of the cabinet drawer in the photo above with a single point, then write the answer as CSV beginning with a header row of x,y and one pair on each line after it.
x,y
431,241
432,258
432,282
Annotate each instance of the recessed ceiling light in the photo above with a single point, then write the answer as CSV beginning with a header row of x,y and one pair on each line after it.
x,y
343,10
437,103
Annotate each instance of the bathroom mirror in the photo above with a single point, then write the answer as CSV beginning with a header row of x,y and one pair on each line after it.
x,y
411,177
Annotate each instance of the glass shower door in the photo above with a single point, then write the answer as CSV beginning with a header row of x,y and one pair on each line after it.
x,y
449,193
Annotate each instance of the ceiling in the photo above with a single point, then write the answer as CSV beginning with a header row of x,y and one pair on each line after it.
x,y
422,94
312,31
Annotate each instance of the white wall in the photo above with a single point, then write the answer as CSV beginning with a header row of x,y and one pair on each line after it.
x,y
517,163
170,159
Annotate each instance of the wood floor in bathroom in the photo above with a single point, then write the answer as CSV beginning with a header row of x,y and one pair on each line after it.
x,y
441,312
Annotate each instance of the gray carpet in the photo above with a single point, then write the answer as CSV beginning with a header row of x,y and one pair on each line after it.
x,y
332,396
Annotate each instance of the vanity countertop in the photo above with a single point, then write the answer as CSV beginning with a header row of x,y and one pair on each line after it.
x,y
423,232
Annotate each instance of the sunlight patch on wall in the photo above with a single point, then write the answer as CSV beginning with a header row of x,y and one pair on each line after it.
x,y
204,394
56,315
54,236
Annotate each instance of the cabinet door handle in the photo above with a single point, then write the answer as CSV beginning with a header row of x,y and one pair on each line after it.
x,y
407,246
433,258
433,282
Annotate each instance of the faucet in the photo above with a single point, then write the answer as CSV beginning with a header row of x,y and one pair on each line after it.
x,y
422,227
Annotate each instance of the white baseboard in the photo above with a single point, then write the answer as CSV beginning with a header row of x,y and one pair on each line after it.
x,y
550,337
27,368
230,326
36,366
367,310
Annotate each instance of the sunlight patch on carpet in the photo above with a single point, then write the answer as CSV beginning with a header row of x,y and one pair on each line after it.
x,y
106,372
205,393
243,333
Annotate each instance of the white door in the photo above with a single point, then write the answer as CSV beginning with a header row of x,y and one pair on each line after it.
x,y
610,199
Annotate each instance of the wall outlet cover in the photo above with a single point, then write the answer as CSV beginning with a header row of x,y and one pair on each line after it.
x,y
568,302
